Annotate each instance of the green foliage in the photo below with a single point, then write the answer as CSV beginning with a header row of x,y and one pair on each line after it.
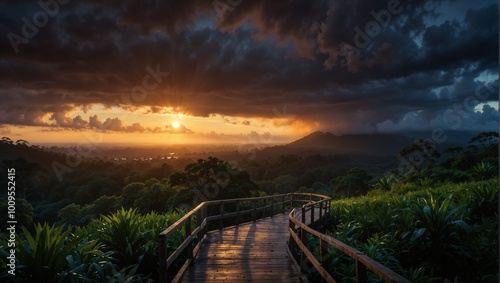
x,y
123,232
214,179
354,183
418,154
51,253
71,214
384,183
88,264
121,247
133,237
484,171
483,200
485,139
427,234
24,213
39,255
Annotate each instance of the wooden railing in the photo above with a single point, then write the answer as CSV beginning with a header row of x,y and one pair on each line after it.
x,y
257,207
299,230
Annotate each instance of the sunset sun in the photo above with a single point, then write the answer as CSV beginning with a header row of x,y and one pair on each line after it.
x,y
176,124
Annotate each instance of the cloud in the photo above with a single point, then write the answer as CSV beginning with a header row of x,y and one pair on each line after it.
x,y
5,130
181,130
258,57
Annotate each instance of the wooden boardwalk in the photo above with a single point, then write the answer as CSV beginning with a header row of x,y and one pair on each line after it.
x,y
251,252
259,251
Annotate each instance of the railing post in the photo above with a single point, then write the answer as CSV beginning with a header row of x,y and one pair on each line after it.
x,y
253,212
291,201
199,217
221,215
303,257
264,210
162,255
303,214
312,214
189,248
199,221
361,276
203,216
237,212
323,255
272,206
320,210
291,241
283,204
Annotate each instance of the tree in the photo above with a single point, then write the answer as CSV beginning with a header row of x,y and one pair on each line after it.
x,y
22,142
454,151
31,178
154,197
71,214
217,179
130,193
7,140
23,213
178,179
354,183
103,205
419,154
485,139
285,184
161,172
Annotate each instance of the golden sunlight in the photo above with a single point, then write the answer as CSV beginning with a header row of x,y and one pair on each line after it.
x,y
176,124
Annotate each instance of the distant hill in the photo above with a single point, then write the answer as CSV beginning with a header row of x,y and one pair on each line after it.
x,y
377,144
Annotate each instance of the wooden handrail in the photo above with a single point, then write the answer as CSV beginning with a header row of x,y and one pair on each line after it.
x,y
193,237
298,236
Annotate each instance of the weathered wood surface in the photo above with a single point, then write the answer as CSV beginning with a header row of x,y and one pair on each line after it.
x,y
251,252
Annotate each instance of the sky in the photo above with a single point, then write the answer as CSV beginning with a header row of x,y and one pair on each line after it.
x,y
244,71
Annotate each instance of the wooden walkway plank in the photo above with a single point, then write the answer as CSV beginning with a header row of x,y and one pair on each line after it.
x,y
251,252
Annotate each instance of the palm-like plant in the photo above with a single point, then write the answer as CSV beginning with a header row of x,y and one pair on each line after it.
x,y
124,233
41,256
384,183
88,264
51,251
438,223
484,200
438,216
483,170
133,237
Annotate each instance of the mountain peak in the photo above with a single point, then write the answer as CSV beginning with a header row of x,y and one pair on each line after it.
x,y
378,143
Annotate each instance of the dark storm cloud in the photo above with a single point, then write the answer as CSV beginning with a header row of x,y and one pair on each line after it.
x,y
249,62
